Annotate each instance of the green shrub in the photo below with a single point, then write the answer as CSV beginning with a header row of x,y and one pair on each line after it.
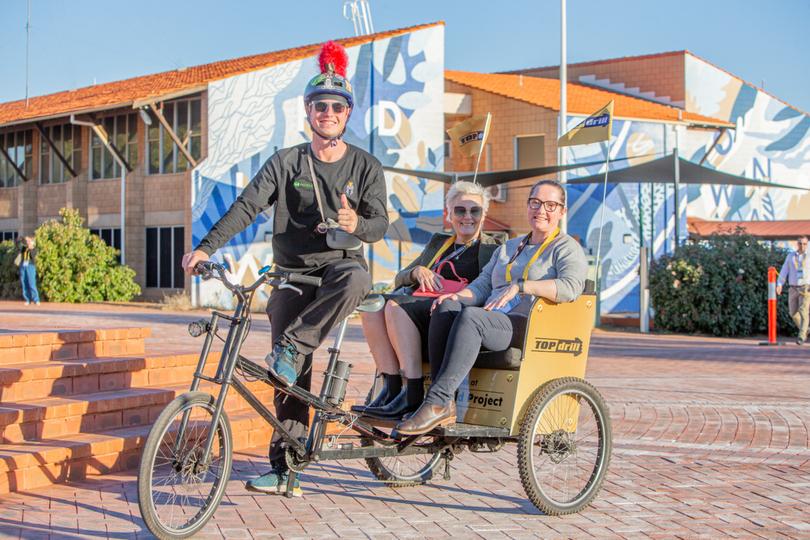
x,y
10,288
718,286
76,266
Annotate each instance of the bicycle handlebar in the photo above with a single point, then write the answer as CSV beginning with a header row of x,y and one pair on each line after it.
x,y
211,269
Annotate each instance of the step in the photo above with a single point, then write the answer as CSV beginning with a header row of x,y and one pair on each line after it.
x,y
31,347
45,418
65,378
34,465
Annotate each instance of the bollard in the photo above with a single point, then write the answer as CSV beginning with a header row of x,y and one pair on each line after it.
x,y
772,275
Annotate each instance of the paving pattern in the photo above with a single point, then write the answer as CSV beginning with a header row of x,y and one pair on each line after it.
x,y
711,440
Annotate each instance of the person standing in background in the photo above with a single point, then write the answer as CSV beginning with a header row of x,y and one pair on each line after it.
x,y
796,273
28,270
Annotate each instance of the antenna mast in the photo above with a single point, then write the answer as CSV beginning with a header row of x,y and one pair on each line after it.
x,y
359,12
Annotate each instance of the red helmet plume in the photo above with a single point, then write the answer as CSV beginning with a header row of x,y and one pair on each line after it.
x,y
333,58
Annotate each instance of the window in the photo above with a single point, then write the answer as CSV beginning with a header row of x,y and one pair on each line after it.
x,y
530,151
19,147
67,138
111,237
8,235
122,129
164,254
448,146
184,117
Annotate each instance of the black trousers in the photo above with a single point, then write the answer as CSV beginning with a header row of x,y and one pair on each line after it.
x,y
456,335
305,321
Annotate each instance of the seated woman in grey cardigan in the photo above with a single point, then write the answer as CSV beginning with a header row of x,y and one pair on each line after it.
x,y
543,263
397,336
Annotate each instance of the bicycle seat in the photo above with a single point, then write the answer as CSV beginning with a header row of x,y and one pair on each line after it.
x,y
371,303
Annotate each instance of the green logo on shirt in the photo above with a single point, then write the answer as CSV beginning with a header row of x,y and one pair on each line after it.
x,y
302,183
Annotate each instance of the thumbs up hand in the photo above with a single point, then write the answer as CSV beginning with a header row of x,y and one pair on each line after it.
x,y
347,218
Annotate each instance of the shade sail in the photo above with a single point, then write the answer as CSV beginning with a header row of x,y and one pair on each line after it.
x,y
662,171
493,178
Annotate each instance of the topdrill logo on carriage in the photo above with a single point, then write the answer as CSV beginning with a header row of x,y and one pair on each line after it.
x,y
569,346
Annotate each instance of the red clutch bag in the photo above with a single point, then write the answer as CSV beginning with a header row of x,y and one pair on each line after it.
x,y
448,285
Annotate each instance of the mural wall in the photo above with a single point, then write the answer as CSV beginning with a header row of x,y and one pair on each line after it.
x,y
771,142
398,117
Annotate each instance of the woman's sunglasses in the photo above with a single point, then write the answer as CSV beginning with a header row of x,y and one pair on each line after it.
x,y
461,211
323,106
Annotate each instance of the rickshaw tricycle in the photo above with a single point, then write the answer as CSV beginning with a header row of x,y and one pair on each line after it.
x,y
533,394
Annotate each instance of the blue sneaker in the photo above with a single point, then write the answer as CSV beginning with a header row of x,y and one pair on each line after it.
x,y
274,482
281,363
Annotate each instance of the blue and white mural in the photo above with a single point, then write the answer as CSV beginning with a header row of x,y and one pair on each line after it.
x,y
770,141
398,117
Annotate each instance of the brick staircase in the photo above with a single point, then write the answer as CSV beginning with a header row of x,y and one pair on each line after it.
x,y
75,404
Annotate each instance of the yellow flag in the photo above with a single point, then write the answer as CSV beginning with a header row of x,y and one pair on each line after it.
x,y
471,134
595,128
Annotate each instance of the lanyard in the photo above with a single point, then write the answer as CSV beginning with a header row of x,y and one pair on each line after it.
x,y
796,258
449,242
537,253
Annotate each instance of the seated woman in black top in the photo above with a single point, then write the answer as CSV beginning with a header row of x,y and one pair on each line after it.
x,y
397,336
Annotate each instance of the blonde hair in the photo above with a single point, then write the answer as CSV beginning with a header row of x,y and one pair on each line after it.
x,y
463,187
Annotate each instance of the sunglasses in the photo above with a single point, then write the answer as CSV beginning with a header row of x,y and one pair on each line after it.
x,y
550,206
474,211
323,106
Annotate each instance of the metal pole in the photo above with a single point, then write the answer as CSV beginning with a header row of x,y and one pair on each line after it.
x,y
27,41
123,212
563,104
677,192
644,291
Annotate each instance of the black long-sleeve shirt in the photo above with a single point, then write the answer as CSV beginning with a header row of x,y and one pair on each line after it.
x,y
285,180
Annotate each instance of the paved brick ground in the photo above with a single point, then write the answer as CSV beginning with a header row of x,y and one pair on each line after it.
x,y
711,439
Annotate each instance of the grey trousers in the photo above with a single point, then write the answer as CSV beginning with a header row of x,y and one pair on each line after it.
x,y
456,335
305,321
799,306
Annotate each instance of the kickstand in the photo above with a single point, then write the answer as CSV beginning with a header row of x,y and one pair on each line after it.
x,y
290,483
447,457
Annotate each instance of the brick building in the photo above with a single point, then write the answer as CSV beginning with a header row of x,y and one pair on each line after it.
x,y
52,154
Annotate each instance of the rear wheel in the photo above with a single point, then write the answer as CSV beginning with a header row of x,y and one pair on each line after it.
x,y
402,471
178,492
564,446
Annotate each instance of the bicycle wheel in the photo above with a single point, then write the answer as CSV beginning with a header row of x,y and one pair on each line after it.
x,y
402,471
564,446
177,493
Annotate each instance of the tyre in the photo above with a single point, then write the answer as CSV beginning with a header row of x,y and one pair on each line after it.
x,y
403,471
564,446
177,493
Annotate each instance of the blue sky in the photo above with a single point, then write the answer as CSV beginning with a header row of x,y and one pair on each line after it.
x,y
77,42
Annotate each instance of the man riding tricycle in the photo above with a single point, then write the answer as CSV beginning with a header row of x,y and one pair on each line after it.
x,y
506,352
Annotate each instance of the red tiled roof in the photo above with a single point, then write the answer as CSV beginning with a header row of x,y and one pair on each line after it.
x,y
582,99
770,230
125,92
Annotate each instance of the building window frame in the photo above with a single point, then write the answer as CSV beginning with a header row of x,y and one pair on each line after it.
x,y
51,168
162,263
9,235
185,117
125,138
19,145
516,152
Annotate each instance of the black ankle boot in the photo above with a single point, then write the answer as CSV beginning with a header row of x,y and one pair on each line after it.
x,y
392,385
408,400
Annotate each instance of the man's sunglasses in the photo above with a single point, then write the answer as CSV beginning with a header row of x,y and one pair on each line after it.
x,y
550,206
475,212
323,106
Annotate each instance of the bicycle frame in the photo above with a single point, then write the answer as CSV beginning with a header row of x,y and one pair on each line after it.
x,y
312,449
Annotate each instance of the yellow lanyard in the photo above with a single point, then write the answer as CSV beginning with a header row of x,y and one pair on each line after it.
x,y
450,241
537,253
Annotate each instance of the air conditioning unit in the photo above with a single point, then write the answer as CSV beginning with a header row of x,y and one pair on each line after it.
x,y
497,193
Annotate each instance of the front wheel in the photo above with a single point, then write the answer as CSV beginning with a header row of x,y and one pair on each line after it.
x,y
178,491
564,446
